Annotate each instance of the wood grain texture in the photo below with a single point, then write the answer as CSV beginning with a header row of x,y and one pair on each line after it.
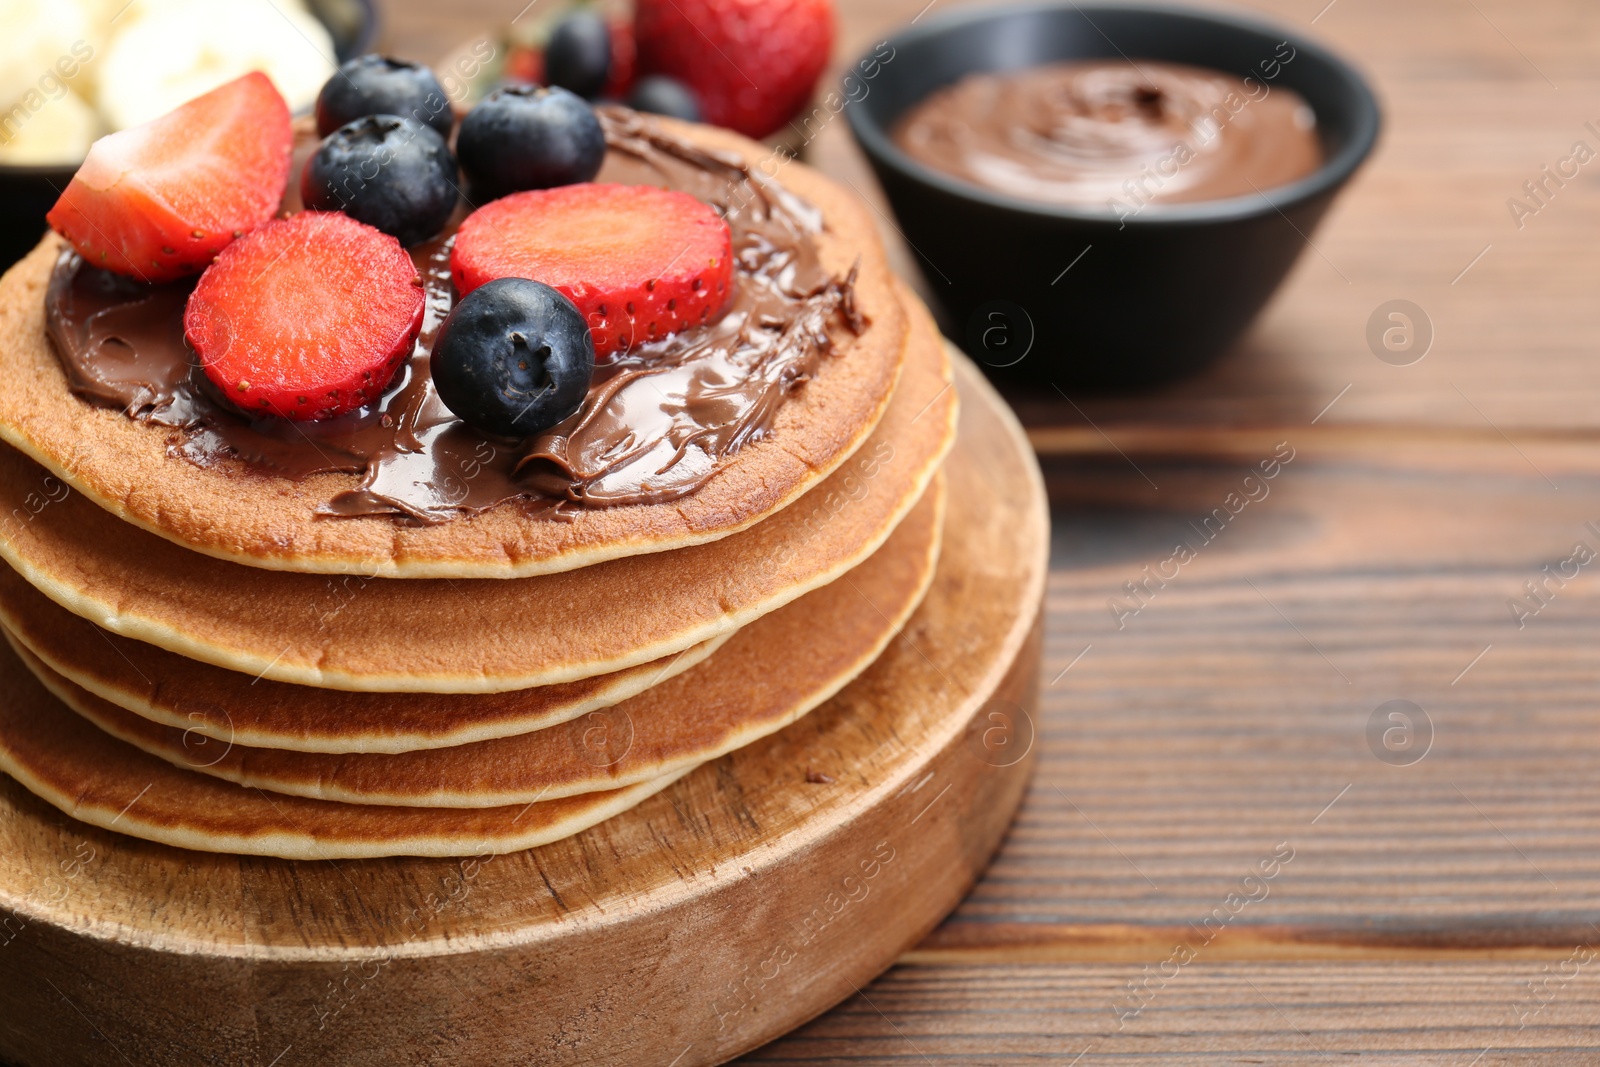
x,y
1293,1014
1232,709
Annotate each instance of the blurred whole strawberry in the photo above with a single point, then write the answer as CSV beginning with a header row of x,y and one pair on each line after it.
x,y
753,64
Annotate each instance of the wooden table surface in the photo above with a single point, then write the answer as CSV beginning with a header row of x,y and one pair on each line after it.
x,y
1430,903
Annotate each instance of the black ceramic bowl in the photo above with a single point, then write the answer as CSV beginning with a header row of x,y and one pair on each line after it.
x,y
28,193
1153,299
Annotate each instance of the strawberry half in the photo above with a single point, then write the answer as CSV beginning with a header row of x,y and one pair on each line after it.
x,y
639,262
159,201
307,317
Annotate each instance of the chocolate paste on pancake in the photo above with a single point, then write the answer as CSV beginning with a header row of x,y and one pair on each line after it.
x,y
1115,132
656,423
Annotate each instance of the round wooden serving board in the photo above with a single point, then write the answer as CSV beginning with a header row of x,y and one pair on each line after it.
x,y
744,900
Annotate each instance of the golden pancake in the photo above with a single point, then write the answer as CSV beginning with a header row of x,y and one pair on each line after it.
x,y
204,701
61,758
771,673
476,636
251,517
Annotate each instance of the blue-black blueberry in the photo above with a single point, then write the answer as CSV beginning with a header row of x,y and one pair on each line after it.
x,y
662,95
390,172
578,56
513,358
379,85
529,137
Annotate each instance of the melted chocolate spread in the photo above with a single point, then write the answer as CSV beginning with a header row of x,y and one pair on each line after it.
x,y
1089,132
658,420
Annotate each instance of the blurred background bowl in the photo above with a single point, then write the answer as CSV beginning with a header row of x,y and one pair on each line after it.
x,y
1152,300
30,191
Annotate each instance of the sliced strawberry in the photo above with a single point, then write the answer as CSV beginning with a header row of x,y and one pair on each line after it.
x,y
159,201
306,317
638,261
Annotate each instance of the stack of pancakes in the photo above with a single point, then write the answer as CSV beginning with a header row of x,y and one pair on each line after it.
x,y
211,665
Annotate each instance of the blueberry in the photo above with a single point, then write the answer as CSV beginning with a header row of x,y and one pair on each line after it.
x,y
513,358
529,137
389,172
378,85
578,56
662,95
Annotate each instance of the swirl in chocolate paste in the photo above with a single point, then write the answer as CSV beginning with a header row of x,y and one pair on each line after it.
x,y
658,419
1096,131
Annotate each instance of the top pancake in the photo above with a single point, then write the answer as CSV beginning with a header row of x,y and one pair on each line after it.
x,y
484,636
241,514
